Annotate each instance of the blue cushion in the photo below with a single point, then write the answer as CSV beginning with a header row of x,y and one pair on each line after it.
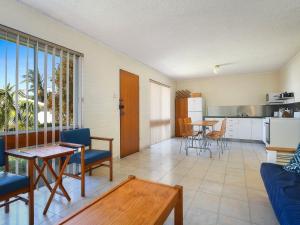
x,y
283,189
11,182
90,156
294,164
78,136
2,148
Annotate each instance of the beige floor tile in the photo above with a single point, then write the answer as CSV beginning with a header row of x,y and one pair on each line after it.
x,y
206,201
236,192
191,183
201,217
226,220
235,208
216,177
211,187
258,197
235,180
262,215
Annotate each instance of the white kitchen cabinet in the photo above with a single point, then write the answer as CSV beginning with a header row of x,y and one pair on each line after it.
x,y
232,128
245,128
257,129
241,128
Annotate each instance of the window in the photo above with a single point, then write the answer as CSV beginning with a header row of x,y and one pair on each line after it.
x,y
160,118
39,88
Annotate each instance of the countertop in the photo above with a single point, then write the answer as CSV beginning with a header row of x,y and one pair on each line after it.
x,y
249,117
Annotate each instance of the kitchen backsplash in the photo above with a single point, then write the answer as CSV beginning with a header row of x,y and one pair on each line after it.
x,y
250,110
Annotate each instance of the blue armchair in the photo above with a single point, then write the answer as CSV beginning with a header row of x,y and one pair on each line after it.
x,y
12,185
89,158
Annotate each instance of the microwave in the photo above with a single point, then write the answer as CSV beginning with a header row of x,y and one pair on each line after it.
x,y
274,98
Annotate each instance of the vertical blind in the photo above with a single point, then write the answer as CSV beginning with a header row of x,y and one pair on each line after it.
x,y
40,88
160,118
39,85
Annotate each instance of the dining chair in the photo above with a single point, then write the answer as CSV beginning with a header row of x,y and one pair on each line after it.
x,y
12,185
183,133
88,157
219,136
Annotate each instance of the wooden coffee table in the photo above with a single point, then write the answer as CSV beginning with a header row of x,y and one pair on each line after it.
x,y
133,202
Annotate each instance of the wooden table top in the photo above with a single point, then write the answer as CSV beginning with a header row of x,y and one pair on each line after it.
x,y
132,202
206,123
43,152
281,149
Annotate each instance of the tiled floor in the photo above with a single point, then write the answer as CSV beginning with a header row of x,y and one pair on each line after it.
x,y
223,191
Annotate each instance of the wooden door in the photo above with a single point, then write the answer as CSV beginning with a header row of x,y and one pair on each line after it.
x,y
129,113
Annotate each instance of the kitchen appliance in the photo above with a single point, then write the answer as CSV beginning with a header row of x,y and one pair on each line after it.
x,y
195,109
274,98
280,98
266,131
296,114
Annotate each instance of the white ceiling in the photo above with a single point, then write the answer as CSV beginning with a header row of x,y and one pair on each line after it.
x,y
186,38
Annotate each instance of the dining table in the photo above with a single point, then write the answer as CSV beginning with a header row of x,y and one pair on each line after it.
x,y
203,141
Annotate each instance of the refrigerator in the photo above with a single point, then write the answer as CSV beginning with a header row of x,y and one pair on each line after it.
x,y
196,109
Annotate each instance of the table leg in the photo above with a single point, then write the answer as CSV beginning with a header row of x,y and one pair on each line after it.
x,y
41,175
178,212
57,183
60,184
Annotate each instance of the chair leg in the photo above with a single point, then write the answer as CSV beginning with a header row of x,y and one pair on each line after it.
x,y
7,206
181,144
82,180
90,172
111,169
31,206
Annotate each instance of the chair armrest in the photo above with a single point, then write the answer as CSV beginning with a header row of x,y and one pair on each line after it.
x,y
71,145
105,139
102,138
281,149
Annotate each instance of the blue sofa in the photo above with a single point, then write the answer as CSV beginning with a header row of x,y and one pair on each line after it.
x,y
283,189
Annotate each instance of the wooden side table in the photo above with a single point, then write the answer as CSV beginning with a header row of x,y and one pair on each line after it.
x,y
46,153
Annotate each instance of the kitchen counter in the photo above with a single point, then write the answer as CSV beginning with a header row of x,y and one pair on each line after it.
x,y
249,117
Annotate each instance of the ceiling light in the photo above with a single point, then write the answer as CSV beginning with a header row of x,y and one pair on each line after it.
x,y
216,69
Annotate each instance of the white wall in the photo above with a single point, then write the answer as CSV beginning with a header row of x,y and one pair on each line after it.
x,y
290,77
229,90
101,71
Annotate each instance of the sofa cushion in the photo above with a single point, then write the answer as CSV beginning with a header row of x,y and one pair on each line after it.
x,y
11,182
283,189
90,156
77,136
294,164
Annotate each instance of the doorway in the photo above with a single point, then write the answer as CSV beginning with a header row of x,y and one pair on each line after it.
x,y
129,113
